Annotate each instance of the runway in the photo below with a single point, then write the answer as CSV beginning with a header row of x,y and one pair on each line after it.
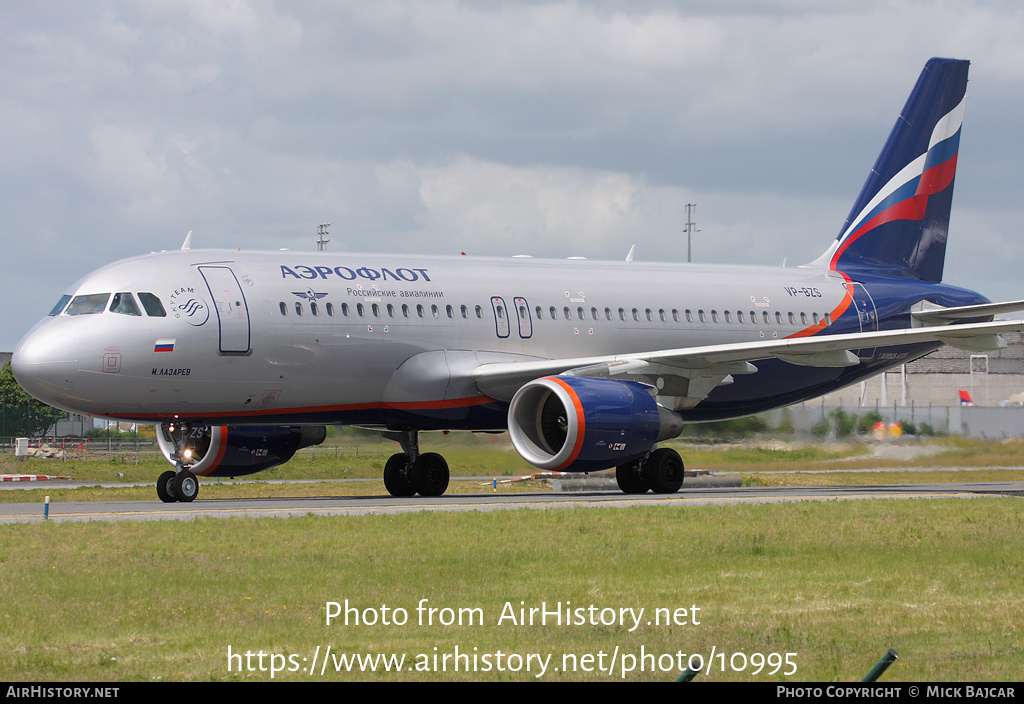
x,y
363,505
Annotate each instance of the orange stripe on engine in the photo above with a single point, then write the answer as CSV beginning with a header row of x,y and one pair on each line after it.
x,y
581,428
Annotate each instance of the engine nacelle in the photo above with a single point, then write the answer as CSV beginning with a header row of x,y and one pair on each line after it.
x,y
233,451
582,424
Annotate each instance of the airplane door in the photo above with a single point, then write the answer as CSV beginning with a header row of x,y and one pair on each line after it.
x,y
232,311
500,316
525,322
866,314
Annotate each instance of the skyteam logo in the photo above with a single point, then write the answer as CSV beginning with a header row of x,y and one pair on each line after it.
x,y
190,306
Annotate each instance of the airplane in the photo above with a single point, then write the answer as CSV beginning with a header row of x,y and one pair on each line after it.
x,y
242,358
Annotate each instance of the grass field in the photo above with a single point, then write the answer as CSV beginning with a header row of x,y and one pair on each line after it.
x,y
825,588
835,583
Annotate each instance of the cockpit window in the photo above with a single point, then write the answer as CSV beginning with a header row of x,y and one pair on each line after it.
x,y
154,308
88,304
60,304
124,304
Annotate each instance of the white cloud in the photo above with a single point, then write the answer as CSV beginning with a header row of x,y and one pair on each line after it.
x,y
560,128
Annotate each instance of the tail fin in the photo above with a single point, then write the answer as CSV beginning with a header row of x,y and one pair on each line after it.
x,y
900,221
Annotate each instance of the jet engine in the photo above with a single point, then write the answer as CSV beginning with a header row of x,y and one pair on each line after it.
x,y
233,451
582,424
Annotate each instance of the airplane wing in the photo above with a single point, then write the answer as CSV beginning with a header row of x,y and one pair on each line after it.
x,y
690,373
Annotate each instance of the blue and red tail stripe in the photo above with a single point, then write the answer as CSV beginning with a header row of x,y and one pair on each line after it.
x,y
900,221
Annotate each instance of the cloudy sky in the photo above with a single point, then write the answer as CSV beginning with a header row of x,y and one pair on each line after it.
x,y
495,128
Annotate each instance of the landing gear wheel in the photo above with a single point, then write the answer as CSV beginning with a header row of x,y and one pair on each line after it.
x,y
630,478
186,486
396,478
663,471
165,487
431,474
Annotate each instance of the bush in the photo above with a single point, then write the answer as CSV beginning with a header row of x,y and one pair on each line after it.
x,y
845,422
821,428
867,422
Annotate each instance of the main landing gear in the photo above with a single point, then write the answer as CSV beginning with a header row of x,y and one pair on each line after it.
x,y
661,472
409,472
178,484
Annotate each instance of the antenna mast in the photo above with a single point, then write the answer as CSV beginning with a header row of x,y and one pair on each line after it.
x,y
690,228
321,230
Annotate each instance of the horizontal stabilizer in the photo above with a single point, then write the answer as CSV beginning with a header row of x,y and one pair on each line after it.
x,y
930,314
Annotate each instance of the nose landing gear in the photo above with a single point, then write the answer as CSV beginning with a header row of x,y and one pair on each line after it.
x,y
179,484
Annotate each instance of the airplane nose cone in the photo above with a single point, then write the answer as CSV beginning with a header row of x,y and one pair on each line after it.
x,y
45,363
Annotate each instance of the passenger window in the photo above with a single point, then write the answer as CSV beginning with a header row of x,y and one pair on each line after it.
x,y
739,316
479,312
405,310
608,313
330,309
344,309
650,315
391,311
689,316
124,304
714,316
792,318
434,312
661,314
700,316
419,310
154,308
622,314
828,318
298,308
579,312
778,317
359,309
312,308
376,310
284,309
554,313
728,317
88,304
675,315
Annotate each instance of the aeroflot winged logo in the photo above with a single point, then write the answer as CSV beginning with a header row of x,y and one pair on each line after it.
x,y
188,304
309,294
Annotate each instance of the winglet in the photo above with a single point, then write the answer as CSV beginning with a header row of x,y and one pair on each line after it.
x,y
629,257
187,246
